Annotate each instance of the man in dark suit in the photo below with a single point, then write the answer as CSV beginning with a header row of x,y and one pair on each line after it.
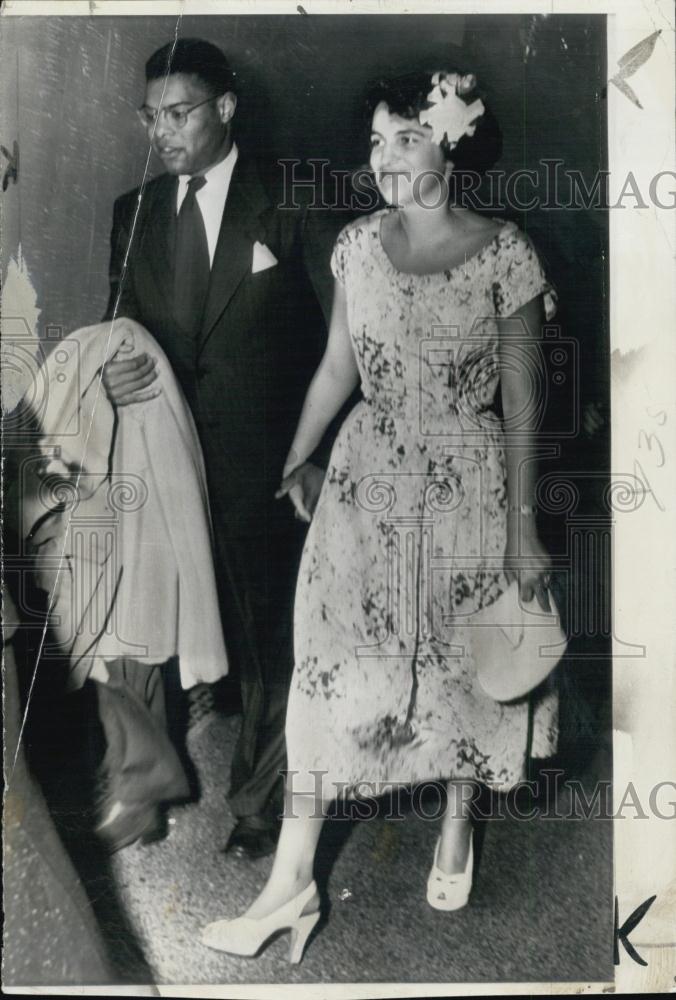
x,y
207,261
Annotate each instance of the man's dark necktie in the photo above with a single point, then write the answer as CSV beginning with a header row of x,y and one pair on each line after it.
x,y
191,261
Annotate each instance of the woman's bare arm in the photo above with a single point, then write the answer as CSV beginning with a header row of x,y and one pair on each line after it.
x,y
335,379
525,558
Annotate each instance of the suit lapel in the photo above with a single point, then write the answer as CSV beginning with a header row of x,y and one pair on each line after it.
x,y
240,228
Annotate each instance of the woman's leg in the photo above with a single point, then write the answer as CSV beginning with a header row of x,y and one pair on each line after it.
x,y
292,868
456,827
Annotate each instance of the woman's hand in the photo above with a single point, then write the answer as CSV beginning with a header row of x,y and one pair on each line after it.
x,y
527,561
303,487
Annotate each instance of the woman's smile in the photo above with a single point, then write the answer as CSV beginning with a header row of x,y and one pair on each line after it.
x,y
404,158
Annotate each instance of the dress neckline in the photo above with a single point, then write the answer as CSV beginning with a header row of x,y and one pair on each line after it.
x,y
445,272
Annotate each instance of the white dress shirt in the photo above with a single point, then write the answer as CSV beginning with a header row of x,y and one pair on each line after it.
x,y
212,197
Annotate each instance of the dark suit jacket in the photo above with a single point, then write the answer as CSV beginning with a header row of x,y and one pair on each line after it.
x,y
262,337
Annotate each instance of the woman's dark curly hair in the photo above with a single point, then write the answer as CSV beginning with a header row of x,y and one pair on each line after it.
x,y
407,96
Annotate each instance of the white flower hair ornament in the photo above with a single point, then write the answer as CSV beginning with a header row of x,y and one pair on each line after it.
x,y
449,117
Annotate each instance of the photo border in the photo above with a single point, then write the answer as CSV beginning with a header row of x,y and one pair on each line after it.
x,y
643,377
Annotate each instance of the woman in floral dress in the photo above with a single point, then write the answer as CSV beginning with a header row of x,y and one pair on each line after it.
x,y
427,502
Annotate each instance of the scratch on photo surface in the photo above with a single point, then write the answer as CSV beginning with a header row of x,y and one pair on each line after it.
x,y
661,920
658,219
97,393
656,6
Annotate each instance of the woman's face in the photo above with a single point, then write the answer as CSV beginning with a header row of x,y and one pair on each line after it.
x,y
408,166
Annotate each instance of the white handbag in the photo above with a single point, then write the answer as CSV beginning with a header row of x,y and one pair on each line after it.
x,y
516,645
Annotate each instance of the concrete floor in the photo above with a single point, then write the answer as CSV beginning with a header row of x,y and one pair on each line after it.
x,y
541,907
540,910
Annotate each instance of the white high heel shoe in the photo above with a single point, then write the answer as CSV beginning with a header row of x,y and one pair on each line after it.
x,y
245,936
450,892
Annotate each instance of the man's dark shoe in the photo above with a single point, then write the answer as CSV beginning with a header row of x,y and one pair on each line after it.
x,y
125,823
252,839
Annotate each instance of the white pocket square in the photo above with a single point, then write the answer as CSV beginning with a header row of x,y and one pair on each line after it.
x,y
263,258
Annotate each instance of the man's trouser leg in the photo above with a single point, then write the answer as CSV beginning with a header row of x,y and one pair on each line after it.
x,y
261,575
141,762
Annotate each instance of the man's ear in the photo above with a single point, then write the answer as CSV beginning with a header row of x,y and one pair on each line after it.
x,y
226,106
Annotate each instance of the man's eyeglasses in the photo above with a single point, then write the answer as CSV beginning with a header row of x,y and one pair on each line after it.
x,y
174,115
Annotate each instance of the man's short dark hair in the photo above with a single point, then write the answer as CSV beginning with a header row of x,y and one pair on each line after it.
x,y
195,57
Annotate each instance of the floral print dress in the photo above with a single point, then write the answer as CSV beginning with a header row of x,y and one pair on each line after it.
x,y
409,533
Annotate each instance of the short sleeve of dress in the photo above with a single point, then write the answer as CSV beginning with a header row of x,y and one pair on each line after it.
x,y
519,276
339,255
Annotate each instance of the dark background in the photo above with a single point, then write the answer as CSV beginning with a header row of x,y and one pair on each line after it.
x,y
72,84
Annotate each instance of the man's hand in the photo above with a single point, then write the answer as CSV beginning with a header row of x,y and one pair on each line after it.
x,y
127,381
303,487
